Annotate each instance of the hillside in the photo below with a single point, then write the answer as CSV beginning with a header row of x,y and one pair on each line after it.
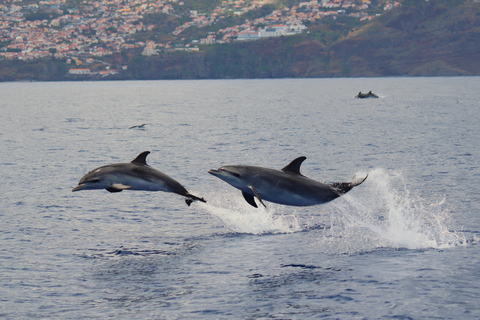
x,y
436,38
418,38
430,38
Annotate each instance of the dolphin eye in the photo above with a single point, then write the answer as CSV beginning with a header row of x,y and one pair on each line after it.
x,y
93,180
235,174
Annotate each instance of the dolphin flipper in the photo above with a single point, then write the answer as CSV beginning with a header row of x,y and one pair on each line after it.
x,y
258,196
250,199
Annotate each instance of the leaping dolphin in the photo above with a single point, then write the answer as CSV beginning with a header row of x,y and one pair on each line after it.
x,y
287,186
136,175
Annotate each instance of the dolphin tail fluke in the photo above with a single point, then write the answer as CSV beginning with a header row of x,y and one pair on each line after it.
x,y
343,187
357,181
190,198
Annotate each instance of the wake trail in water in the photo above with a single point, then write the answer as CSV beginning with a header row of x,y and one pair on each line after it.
x,y
238,216
382,212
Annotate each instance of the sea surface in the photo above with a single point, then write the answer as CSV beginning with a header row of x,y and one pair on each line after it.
x,y
403,245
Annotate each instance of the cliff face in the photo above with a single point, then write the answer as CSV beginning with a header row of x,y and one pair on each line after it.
x,y
39,70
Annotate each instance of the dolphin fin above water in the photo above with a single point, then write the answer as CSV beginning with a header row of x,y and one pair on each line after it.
x,y
136,175
294,166
286,186
141,158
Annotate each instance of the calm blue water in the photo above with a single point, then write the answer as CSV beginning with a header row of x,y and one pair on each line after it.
x,y
404,245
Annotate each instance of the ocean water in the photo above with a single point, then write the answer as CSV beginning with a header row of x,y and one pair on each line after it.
x,y
403,245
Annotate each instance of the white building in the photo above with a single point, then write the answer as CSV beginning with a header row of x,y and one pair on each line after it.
x,y
79,71
272,31
247,35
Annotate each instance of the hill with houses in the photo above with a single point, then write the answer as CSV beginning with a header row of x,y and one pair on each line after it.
x,y
165,39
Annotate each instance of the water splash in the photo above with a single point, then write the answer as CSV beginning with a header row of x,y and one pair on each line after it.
x,y
385,213
382,212
238,216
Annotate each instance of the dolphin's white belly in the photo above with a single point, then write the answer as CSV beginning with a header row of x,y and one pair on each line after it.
x,y
141,184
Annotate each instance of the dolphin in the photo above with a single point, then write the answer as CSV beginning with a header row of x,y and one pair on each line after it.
x,y
370,94
136,175
287,186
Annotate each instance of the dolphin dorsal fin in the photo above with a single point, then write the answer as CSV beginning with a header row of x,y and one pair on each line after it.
x,y
141,158
294,166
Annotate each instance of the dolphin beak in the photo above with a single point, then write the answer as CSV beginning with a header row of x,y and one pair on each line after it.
x,y
217,173
221,172
79,187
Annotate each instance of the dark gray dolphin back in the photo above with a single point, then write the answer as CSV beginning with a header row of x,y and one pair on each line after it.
x,y
141,159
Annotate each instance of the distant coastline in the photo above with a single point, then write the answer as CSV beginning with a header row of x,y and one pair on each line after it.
x,y
435,38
